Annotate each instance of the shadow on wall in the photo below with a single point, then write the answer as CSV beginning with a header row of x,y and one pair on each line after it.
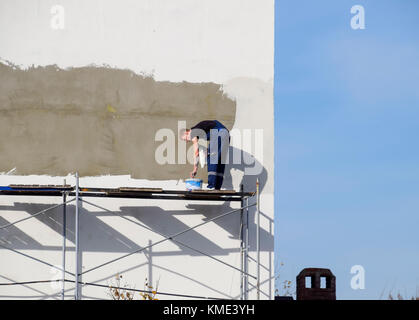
x,y
257,170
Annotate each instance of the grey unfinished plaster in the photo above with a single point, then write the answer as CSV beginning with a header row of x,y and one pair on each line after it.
x,y
97,120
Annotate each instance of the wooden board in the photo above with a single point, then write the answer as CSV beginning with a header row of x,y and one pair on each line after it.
x,y
133,189
38,186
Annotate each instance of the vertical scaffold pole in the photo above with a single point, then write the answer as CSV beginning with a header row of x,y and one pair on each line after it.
x,y
241,246
258,237
64,240
246,253
77,240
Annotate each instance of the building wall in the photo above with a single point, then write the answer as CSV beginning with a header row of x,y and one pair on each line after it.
x,y
91,97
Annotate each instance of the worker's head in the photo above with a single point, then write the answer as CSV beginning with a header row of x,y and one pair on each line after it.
x,y
185,134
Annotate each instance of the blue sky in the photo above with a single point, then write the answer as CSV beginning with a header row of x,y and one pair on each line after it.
x,y
346,143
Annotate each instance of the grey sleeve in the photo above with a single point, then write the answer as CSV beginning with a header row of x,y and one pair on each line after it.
x,y
196,132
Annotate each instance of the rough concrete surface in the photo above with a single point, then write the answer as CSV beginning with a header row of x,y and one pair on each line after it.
x,y
97,120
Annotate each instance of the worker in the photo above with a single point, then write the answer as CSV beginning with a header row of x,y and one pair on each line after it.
x,y
219,138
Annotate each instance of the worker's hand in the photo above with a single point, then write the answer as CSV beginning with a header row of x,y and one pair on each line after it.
x,y
193,173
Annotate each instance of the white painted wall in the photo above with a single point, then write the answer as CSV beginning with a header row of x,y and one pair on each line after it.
x,y
228,42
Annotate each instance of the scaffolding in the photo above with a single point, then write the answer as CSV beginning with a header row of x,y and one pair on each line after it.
x,y
78,193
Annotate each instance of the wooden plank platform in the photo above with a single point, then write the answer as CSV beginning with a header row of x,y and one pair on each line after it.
x,y
134,189
40,186
125,192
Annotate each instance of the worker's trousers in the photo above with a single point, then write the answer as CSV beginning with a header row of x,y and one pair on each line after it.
x,y
219,140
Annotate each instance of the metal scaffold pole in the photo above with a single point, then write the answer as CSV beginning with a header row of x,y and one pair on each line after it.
x,y
77,287
258,238
241,247
64,241
246,253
